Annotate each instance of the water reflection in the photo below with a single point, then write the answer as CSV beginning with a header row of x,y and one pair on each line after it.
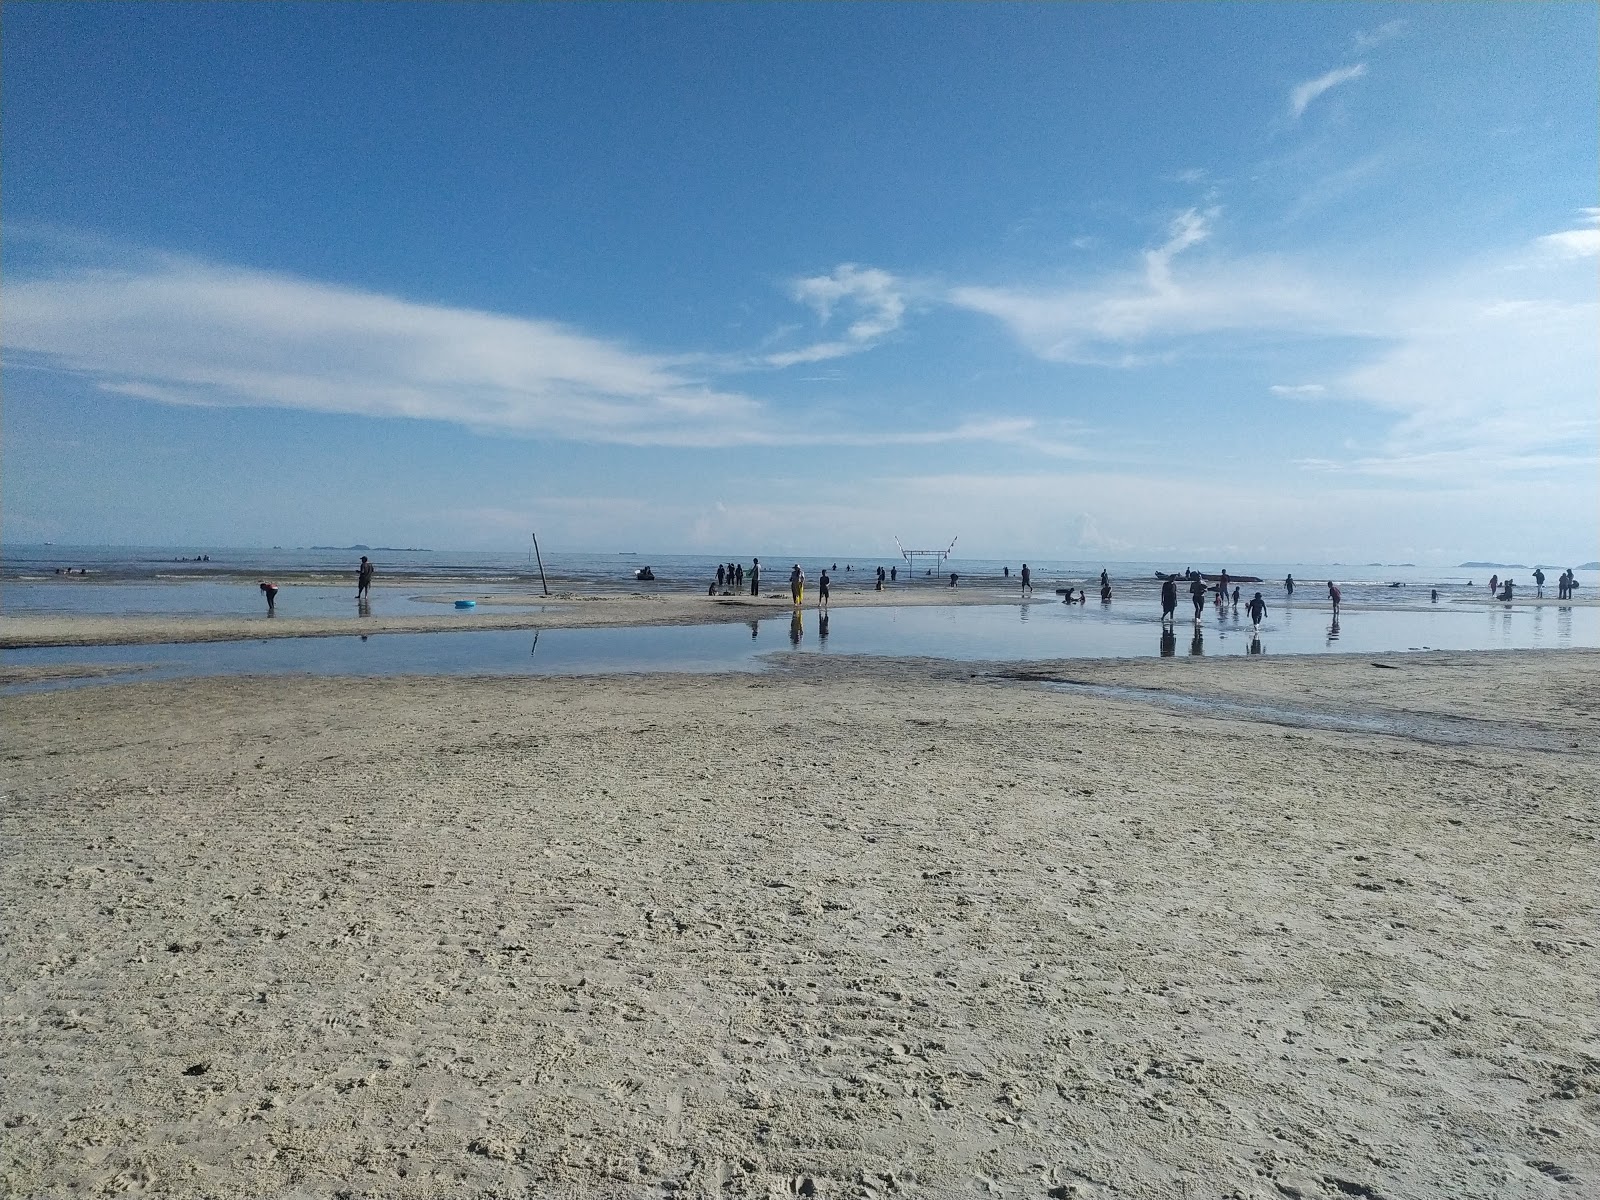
x,y
1333,631
1169,642
1198,646
755,628
797,630
1255,645
363,607
822,626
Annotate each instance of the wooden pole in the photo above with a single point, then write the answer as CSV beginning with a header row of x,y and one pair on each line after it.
x,y
540,557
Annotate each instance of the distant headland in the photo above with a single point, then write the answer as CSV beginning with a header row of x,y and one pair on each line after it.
x,y
379,549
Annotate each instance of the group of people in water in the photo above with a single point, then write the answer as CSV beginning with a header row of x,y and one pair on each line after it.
x,y
1505,589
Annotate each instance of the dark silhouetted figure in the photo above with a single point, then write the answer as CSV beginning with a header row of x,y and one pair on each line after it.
x,y
1257,610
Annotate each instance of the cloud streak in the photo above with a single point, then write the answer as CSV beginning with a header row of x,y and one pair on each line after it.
x,y
1301,96
875,297
177,331
1121,320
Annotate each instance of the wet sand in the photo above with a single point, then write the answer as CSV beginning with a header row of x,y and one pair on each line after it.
x,y
575,610
850,929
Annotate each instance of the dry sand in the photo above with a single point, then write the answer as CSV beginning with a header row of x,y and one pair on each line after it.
x,y
850,929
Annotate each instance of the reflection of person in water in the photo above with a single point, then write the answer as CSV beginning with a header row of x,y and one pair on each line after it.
x,y
755,628
1197,646
796,629
1333,629
1255,645
822,626
1169,642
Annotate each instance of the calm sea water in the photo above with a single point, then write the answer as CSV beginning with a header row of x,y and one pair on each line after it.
x,y
167,580
1040,630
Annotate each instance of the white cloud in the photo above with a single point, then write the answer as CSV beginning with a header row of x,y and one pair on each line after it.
x,y
181,332
875,297
1299,391
1101,321
1576,243
1301,96
1492,370
1366,39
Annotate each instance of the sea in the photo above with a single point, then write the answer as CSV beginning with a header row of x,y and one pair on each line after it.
x,y
1386,608
220,580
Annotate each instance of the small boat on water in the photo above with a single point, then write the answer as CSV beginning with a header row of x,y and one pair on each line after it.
x,y
645,574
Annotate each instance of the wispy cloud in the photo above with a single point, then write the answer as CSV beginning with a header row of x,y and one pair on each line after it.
x,y
1122,319
178,331
875,299
1491,370
1583,242
1299,391
1301,96
1366,39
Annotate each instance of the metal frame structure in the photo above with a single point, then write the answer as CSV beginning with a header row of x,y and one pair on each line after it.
x,y
939,556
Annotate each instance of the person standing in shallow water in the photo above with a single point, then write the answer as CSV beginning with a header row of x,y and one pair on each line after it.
x,y
755,577
1169,600
823,583
797,585
364,578
1197,593
1334,594
1027,580
1288,584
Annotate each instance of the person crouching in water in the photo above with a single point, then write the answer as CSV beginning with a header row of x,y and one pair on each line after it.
x,y
270,590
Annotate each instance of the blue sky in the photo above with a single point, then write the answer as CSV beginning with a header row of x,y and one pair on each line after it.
x,y
1275,282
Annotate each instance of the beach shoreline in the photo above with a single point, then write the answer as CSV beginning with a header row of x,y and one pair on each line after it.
x,y
591,610
847,928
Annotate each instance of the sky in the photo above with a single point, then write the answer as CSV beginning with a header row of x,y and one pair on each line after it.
x,y
1266,282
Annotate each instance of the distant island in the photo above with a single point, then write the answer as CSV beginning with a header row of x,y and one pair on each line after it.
x,y
379,549
1500,566
1588,566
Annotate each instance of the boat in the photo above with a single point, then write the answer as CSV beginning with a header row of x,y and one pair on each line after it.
x,y
645,574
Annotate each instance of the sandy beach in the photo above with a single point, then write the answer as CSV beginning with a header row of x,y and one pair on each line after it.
x,y
843,929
